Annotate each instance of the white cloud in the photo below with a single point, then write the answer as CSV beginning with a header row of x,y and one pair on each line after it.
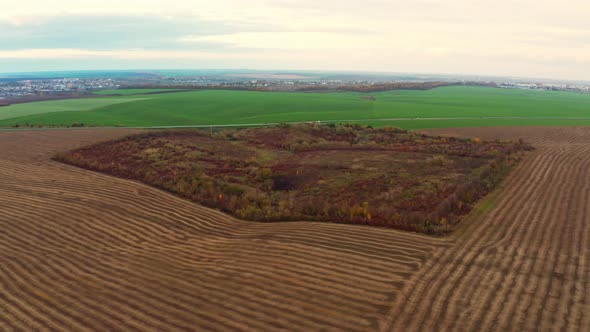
x,y
531,37
137,54
290,40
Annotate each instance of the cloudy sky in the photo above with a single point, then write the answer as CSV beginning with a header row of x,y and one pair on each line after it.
x,y
534,38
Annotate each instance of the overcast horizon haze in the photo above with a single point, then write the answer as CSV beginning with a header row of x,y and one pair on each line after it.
x,y
526,38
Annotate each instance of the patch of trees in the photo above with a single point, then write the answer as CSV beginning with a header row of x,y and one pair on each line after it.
x,y
213,169
482,84
39,125
303,87
378,87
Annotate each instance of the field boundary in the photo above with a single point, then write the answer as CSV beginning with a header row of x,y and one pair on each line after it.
x,y
263,124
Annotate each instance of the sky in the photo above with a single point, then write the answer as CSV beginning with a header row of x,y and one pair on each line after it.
x,y
524,38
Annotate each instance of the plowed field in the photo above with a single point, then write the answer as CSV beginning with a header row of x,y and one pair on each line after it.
x,y
84,251
526,265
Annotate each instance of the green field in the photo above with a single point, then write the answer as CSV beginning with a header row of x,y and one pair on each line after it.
x,y
451,106
43,108
127,92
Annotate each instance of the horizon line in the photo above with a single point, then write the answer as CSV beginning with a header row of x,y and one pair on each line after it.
x,y
311,71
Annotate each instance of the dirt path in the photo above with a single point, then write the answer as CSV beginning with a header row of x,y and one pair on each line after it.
x,y
526,265
83,251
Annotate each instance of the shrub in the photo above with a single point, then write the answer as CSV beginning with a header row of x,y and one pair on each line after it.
x,y
418,196
438,161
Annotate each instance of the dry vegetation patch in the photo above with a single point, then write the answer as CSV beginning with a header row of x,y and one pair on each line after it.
x,y
349,174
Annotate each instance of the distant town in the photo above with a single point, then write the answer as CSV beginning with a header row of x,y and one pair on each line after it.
x,y
42,87
22,89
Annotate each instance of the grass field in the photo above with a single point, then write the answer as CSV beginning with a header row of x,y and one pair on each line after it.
x,y
71,105
472,104
127,92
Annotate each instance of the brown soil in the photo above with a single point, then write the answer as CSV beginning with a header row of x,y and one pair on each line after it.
x,y
525,266
84,251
